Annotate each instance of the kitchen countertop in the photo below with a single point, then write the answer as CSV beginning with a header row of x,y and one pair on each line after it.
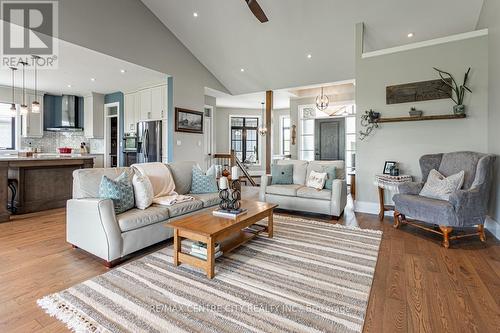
x,y
47,157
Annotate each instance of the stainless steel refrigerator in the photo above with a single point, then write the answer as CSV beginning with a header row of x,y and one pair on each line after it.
x,y
149,145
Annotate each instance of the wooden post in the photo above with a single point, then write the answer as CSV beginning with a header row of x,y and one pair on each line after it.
x,y
269,107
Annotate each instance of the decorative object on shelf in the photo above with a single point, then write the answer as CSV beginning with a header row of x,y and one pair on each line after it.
x,y
389,183
394,171
388,166
225,171
370,121
415,113
13,108
322,101
263,129
230,194
35,105
459,91
294,134
417,92
24,107
188,121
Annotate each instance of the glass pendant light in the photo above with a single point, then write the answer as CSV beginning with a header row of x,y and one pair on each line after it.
x,y
263,129
35,106
322,101
13,108
24,107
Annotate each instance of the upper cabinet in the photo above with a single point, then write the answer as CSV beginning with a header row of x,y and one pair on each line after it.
x,y
143,105
93,116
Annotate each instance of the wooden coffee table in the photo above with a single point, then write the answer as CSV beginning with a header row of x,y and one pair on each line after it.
x,y
209,229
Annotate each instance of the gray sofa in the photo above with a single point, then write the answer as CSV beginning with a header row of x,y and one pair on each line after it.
x,y
298,197
466,207
93,226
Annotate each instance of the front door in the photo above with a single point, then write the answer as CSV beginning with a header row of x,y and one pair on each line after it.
x,y
329,139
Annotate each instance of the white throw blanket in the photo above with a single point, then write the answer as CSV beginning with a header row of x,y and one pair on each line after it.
x,y
163,183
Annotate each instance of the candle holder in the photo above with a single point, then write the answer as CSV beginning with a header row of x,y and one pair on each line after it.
x,y
230,198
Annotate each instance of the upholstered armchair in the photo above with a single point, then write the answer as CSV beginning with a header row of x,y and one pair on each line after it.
x,y
465,208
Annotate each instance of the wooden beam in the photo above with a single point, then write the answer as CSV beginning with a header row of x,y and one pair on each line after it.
x,y
269,107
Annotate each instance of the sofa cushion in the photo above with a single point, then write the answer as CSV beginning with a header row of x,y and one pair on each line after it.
x,y
86,181
181,172
288,190
299,170
311,193
425,209
208,199
182,208
452,163
282,174
138,218
321,166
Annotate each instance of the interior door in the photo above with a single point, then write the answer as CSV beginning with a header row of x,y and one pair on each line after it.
x,y
329,138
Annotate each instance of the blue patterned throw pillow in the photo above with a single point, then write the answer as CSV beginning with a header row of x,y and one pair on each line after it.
x,y
282,174
331,172
203,183
120,190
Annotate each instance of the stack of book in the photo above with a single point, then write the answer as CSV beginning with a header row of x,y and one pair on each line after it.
x,y
230,214
199,250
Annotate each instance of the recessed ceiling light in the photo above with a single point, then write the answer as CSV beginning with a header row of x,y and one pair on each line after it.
x,y
242,70
92,79
69,85
195,14
122,71
410,35
309,56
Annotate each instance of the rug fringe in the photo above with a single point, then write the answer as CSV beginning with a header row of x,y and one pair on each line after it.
x,y
74,320
336,225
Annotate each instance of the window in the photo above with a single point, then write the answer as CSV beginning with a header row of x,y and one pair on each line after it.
x,y
244,140
7,128
285,135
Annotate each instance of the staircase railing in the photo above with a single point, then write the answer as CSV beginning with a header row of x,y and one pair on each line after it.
x,y
231,160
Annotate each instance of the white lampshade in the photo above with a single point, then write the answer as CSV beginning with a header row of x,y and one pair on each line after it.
x,y
35,107
24,109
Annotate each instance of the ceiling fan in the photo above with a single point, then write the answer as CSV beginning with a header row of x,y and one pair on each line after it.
x,y
257,10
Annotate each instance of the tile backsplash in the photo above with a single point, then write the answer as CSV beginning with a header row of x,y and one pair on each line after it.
x,y
53,140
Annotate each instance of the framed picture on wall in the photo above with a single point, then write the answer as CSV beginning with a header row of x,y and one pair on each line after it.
x,y
188,121
388,166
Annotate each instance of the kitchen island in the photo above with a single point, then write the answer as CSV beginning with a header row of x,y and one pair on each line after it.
x,y
44,181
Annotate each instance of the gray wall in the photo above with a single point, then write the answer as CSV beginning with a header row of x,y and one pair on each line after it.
x,y
405,142
126,29
490,18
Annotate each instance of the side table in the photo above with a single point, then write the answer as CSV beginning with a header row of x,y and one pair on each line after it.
x,y
390,183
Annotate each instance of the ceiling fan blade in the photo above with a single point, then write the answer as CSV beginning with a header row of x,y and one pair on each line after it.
x,y
257,11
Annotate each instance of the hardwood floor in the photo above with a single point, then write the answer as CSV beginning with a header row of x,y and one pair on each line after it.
x,y
418,287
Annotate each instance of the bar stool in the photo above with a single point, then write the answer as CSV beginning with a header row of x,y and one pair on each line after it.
x,y
12,183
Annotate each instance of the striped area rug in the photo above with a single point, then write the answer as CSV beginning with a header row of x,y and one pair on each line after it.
x,y
311,277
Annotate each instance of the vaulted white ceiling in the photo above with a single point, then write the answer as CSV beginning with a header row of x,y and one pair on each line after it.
x,y
226,37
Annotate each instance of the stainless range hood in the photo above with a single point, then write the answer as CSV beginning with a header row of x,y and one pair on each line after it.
x,y
67,115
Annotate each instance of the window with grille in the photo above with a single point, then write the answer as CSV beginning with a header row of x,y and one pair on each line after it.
x,y
244,139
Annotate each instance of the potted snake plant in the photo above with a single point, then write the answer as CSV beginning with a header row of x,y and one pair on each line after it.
x,y
457,91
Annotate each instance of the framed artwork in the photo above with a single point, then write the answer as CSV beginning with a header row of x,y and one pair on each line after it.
x,y
388,166
188,121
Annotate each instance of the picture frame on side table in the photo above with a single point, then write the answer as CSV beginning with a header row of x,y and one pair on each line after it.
x,y
388,166
188,121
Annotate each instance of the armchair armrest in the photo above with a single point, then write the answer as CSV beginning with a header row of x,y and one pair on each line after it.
x,y
470,206
339,197
265,180
91,225
412,188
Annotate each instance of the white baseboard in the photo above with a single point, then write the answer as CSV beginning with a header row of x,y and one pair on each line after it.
x,y
373,208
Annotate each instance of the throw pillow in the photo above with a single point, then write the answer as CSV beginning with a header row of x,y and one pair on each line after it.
x,y
203,183
441,187
316,180
282,174
331,173
120,190
143,191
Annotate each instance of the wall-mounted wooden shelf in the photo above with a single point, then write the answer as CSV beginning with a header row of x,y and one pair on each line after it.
x,y
437,117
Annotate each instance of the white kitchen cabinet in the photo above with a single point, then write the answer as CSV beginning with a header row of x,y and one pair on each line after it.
x,y
129,118
93,116
32,123
158,102
145,96
99,161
